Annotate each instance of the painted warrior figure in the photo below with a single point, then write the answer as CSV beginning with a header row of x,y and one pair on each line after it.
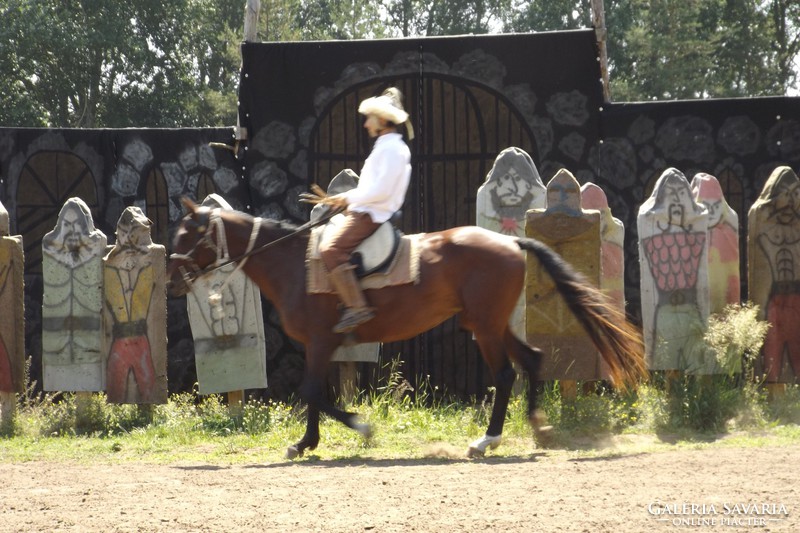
x,y
72,301
513,186
673,251
775,227
129,285
723,242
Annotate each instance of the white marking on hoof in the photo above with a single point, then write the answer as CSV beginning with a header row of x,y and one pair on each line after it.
x,y
478,447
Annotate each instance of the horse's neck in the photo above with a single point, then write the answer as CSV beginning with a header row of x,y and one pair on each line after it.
x,y
276,269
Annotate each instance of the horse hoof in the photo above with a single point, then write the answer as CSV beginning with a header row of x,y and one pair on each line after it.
x,y
478,447
473,452
365,430
293,452
544,436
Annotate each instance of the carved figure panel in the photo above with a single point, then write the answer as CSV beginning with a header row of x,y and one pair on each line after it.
x,y
12,302
134,312
773,242
575,235
673,256
72,274
229,340
512,187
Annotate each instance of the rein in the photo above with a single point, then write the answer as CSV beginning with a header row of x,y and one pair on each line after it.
x,y
221,246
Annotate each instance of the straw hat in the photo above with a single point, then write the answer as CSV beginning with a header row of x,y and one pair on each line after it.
x,y
388,106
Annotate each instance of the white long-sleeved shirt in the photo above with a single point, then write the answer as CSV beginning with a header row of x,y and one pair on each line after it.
x,y
384,179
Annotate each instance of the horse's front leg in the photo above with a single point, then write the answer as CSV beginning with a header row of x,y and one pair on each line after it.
x,y
312,391
311,439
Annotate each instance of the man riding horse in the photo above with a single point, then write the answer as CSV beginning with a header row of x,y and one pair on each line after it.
x,y
380,193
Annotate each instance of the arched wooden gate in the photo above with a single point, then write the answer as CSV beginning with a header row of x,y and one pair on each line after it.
x,y
47,180
460,127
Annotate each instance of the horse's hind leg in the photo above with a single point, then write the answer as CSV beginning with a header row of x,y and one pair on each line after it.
x,y
530,359
503,375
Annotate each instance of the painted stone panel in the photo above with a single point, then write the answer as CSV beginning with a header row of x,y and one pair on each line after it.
x,y
575,234
612,242
229,342
72,276
773,243
134,314
673,257
12,302
512,187
723,243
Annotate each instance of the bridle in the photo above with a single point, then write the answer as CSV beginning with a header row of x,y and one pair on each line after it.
x,y
211,230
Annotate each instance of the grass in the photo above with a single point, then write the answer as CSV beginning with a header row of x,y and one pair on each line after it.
x,y
193,429
726,409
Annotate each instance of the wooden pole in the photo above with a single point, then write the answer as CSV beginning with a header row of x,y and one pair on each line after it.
x,y
348,382
599,23
8,407
251,21
235,402
83,404
251,11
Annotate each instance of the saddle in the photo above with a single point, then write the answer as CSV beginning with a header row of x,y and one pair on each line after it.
x,y
376,252
387,257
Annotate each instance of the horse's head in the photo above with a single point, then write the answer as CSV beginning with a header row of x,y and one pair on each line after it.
x,y
193,250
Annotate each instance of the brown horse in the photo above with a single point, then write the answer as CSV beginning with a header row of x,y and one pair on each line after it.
x,y
469,271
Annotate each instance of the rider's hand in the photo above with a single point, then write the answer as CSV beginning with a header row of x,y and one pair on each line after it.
x,y
318,196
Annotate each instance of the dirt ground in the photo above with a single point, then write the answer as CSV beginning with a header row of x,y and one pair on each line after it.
x,y
720,488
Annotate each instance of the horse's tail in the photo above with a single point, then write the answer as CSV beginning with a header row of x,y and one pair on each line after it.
x,y
618,341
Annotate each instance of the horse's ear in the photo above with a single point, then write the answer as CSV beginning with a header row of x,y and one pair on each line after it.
x,y
190,206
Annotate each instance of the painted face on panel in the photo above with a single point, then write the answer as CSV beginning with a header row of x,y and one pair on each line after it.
x,y
72,230
512,188
677,198
787,202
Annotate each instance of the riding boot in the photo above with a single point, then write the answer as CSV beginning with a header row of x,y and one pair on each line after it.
x,y
356,313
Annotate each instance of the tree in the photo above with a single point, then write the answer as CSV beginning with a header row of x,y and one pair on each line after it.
x,y
785,25
409,18
552,15
663,49
90,63
338,19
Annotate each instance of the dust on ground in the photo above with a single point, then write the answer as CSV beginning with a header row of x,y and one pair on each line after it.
x,y
705,489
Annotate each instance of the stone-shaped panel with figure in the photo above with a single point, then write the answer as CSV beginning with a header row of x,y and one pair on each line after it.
x,y
12,302
612,243
574,233
134,314
723,242
72,301
673,257
227,324
512,187
773,246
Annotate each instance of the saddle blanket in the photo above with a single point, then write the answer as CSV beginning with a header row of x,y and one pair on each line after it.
x,y
403,269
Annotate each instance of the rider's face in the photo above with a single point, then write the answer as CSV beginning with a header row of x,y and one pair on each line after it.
x,y
374,125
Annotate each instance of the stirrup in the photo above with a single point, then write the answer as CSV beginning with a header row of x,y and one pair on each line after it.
x,y
352,318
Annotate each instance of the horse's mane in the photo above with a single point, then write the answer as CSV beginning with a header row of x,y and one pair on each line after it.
x,y
281,226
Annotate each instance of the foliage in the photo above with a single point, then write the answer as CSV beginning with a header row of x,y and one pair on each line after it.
x,y
175,63
735,337
410,423
664,49
86,63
